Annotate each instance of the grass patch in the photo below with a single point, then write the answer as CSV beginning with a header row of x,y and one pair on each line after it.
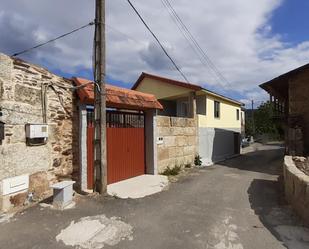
x,y
188,166
172,171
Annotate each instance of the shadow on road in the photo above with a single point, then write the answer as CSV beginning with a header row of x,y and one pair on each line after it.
x,y
264,198
267,200
268,162
266,195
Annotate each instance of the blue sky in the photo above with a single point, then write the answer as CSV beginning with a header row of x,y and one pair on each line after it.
x,y
291,21
249,41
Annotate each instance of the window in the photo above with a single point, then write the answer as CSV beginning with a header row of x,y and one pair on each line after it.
x,y
201,105
217,109
184,109
237,114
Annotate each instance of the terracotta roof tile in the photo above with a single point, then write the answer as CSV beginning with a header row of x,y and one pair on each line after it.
x,y
117,97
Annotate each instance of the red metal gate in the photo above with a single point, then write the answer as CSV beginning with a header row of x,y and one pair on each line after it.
x,y
125,145
125,137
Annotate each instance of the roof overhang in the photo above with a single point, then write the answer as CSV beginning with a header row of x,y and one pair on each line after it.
x,y
279,86
166,80
223,97
198,89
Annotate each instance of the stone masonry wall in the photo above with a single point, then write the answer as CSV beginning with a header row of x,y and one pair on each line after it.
x,y
298,103
180,142
296,188
21,103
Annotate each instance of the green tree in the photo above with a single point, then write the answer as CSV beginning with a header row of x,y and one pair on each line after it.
x,y
264,122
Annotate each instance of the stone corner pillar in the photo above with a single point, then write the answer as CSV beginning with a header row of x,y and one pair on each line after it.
x,y
151,142
192,105
82,145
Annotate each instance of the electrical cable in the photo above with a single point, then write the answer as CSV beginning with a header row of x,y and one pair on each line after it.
x,y
158,41
207,58
190,36
54,39
185,35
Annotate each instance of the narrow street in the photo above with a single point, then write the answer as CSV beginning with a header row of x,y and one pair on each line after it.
x,y
234,205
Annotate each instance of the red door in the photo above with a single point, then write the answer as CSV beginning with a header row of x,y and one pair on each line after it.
x,y
125,153
125,143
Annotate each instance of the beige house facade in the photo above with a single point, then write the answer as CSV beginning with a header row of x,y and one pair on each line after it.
x,y
217,119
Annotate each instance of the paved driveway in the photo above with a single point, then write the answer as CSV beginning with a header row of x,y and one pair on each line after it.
x,y
233,205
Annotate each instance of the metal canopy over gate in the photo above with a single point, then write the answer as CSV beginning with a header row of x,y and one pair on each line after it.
x,y
125,137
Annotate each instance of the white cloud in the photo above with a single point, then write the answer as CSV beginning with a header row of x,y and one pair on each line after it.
x,y
236,34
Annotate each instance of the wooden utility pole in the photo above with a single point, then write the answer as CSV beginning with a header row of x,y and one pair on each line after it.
x,y
252,110
100,166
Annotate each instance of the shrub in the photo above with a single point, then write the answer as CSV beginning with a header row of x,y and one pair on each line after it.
x,y
172,171
188,165
198,160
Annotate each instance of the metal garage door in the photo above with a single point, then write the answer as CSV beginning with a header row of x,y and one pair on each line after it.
x,y
125,145
125,135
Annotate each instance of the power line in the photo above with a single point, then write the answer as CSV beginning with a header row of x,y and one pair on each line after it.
x,y
203,52
54,39
195,43
189,36
123,34
185,35
158,41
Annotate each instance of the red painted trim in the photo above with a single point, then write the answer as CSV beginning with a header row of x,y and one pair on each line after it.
x,y
166,80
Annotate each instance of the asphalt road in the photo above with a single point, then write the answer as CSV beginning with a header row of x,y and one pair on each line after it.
x,y
234,205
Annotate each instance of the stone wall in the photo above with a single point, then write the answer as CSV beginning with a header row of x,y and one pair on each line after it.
x,y
179,145
299,106
21,102
296,186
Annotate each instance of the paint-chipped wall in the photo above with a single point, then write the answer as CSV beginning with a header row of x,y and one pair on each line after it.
x,y
179,144
21,103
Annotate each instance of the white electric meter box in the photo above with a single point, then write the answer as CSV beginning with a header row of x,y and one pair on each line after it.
x,y
36,131
15,184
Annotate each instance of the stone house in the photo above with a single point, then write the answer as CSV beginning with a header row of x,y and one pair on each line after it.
x,y
289,95
194,121
46,134
30,94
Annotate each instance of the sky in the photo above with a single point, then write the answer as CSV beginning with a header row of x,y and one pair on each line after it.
x,y
249,41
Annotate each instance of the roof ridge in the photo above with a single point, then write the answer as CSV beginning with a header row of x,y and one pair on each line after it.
x,y
180,84
167,80
116,87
